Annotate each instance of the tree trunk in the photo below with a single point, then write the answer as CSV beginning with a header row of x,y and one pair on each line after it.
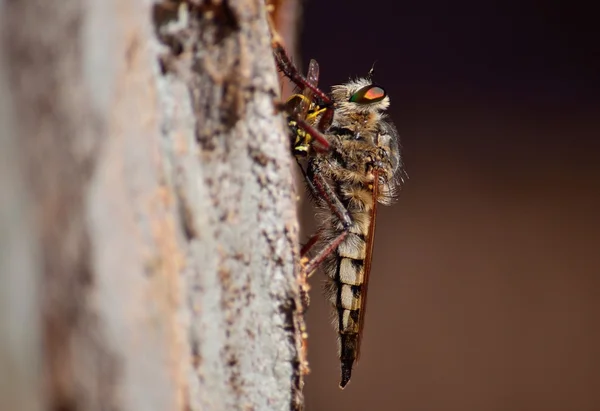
x,y
148,231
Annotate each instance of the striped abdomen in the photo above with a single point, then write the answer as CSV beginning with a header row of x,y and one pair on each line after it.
x,y
345,272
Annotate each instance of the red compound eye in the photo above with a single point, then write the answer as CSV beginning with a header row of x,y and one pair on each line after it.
x,y
368,94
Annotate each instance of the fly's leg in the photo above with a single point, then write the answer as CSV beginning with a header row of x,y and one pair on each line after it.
x,y
283,60
275,36
316,135
326,194
291,71
304,260
316,261
306,247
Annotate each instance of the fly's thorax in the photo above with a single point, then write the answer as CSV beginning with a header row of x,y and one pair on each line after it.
x,y
359,198
357,124
347,176
351,171
359,159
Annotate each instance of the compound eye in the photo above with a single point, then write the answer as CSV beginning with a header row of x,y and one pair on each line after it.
x,y
368,94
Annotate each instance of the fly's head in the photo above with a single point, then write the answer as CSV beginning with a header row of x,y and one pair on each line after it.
x,y
358,103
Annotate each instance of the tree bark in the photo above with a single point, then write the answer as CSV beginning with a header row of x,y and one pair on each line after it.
x,y
148,230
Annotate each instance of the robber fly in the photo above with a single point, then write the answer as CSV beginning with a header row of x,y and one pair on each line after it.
x,y
353,163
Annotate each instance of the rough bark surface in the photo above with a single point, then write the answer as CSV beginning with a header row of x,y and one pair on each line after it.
x,y
148,235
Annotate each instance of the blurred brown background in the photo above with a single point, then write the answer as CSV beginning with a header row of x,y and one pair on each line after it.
x,y
485,291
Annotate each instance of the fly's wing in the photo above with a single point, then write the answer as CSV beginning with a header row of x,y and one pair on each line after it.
x,y
383,190
368,259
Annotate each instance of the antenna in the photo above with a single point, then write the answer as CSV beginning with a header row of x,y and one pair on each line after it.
x,y
371,72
